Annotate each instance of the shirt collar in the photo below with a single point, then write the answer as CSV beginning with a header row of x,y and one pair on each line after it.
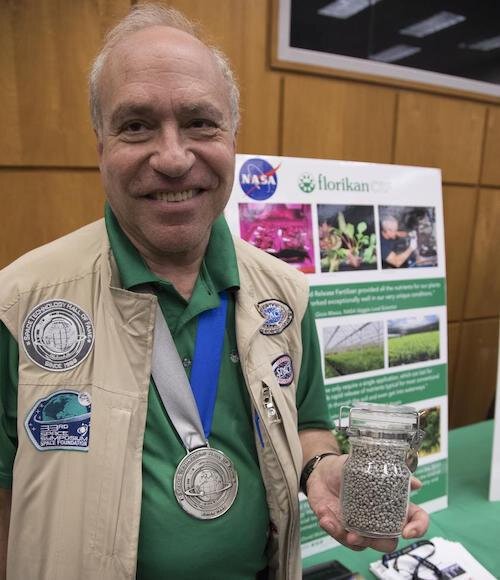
x,y
219,269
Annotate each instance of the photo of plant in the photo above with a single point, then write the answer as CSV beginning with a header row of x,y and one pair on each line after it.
x,y
413,339
282,230
353,348
347,238
430,424
342,440
408,237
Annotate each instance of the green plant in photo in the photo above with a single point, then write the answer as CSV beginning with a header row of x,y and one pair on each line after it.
x,y
342,440
347,243
432,438
354,360
412,348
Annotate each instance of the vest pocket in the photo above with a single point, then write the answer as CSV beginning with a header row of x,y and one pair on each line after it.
x,y
112,481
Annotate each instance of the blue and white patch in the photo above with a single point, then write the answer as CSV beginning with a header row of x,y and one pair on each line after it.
x,y
60,422
278,316
57,335
283,370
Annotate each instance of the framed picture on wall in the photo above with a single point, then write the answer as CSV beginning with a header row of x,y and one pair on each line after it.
x,y
451,46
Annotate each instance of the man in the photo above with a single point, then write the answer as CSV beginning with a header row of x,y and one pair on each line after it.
x,y
112,477
390,234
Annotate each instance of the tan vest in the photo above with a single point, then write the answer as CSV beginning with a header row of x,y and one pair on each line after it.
x,y
76,514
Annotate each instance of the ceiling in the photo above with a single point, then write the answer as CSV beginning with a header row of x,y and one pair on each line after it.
x,y
378,27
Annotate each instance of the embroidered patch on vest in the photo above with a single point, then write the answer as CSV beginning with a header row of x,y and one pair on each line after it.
x,y
278,316
60,421
57,335
283,369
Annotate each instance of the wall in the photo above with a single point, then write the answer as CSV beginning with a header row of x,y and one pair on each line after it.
x,y
49,182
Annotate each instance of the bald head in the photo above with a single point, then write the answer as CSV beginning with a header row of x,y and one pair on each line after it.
x,y
390,227
156,23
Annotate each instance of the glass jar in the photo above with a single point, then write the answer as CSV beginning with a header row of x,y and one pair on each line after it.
x,y
375,490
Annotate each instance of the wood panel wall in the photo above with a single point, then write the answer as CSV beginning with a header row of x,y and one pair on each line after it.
x,y
49,182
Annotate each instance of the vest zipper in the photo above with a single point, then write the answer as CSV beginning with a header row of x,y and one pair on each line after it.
x,y
268,401
274,417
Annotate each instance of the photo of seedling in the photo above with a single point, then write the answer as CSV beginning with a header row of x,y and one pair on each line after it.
x,y
353,348
413,339
430,423
283,230
347,238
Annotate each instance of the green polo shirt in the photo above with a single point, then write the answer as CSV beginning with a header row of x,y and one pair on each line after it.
x,y
173,544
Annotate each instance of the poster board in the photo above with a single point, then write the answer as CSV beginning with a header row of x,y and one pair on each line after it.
x,y
382,329
495,455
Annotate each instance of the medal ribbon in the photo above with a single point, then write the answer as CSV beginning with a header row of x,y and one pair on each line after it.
x,y
190,406
207,360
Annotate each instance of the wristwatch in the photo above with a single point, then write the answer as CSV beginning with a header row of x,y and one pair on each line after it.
x,y
310,466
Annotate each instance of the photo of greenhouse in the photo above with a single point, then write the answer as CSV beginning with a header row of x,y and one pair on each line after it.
x,y
353,348
413,339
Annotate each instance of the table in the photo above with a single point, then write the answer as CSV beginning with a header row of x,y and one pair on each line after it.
x,y
470,518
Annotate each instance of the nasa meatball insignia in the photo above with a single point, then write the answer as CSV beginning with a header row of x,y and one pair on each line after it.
x,y
60,421
258,178
57,335
278,316
283,370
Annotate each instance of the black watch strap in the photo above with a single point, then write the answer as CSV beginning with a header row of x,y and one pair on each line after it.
x,y
310,466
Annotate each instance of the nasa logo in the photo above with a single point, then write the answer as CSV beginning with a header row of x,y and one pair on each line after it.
x,y
277,314
258,178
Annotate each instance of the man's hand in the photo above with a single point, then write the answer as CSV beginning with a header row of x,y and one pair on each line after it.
x,y
323,492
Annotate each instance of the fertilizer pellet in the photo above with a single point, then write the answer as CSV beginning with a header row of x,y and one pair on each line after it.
x,y
375,488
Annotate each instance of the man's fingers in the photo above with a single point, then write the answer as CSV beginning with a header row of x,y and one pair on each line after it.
x,y
354,541
418,522
415,483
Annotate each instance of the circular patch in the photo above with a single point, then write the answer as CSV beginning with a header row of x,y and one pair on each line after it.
x,y
205,483
283,370
278,316
258,178
57,335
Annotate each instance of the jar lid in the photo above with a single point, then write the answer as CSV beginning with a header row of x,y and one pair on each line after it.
x,y
366,418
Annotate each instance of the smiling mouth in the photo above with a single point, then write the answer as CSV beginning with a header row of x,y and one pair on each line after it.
x,y
174,196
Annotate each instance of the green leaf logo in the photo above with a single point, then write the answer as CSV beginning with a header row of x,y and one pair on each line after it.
x,y
306,183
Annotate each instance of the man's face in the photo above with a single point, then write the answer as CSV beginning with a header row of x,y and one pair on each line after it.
x,y
390,230
166,147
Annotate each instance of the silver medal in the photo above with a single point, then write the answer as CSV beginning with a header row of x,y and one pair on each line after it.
x,y
205,483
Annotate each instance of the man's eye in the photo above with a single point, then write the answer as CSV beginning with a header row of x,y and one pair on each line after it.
x,y
202,124
134,127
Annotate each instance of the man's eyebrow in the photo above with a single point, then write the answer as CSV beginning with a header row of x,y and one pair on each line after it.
x,y
200,109
134,109
130,109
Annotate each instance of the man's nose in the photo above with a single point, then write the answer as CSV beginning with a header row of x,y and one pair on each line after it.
x,y
172,156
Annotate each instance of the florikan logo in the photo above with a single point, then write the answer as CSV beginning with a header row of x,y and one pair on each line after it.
x,y
307,183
